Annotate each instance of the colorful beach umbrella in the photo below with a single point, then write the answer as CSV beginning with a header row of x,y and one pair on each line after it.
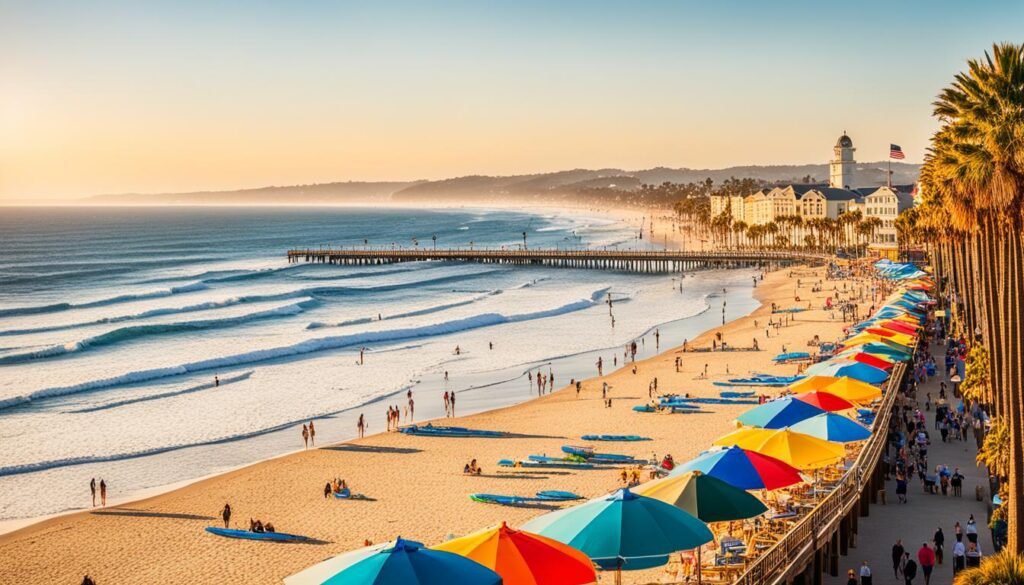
x,y
852,369
811,383
853,390
871,360
744,469
523,558
825,401
832,427
402,562
899,327
777,414
623,530
704,496
797,449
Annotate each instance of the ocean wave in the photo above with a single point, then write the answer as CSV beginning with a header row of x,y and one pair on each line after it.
x,y
189,390
83,459
307,347
123,334
309,292
58,307
415,313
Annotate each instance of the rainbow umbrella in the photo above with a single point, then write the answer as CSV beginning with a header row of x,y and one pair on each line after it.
x,y
402,562
744,469
852,369
825,401
778,414
704,496
623,531
811,383
832,427
899,327
797,449
522,558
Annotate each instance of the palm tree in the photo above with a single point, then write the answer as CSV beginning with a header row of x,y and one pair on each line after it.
x,y
739,228
974,178
1005,568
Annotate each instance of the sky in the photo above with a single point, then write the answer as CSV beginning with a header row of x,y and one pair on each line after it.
x,y
136,96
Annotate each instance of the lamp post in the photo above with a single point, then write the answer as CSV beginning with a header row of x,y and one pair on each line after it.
x,y
435,241
524,240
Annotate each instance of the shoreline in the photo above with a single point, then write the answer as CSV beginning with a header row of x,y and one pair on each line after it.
x,y
386,466
612,215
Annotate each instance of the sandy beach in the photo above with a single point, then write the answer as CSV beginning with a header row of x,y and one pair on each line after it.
x,y
415,484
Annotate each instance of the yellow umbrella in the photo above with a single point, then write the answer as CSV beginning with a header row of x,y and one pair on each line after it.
x,y
799,450
853,390
812,383
865,337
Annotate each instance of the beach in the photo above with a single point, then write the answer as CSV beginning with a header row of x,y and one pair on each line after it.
x,y
414,485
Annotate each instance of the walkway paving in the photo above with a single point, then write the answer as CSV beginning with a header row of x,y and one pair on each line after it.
x,y
916,521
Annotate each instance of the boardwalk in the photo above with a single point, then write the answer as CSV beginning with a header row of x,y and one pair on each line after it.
x,y
631,260
915,522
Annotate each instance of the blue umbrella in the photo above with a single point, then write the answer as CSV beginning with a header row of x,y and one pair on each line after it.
x,y
779,414
623,530
832,427
856,370
402,562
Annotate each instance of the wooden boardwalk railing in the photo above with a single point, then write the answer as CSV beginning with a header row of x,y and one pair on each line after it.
x,y
792,552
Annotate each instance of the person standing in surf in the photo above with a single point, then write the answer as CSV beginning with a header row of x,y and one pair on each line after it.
x,y
92,488
452,400
447,404
312,434
305,436
103,493
361,426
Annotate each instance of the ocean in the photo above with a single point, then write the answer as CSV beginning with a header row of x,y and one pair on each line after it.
x,y
115,323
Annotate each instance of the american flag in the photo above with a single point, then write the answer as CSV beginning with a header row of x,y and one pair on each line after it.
x,y
896,152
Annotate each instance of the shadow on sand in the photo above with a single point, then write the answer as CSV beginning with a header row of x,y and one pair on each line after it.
x,y
147,514
351,448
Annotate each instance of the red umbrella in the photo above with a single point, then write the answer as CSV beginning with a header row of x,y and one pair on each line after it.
x,y
873,361
825,401
899,327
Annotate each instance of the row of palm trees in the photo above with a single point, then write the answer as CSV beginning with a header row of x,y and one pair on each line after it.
x,y
848,231
971,220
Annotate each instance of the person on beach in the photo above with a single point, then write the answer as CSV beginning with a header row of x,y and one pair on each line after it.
x,y
87,580
361,426
312,434
226,515
452,399
579,386
92,488
216,381
328,490
305,436
446,375
447,404
361,349
412,410
103,495
600,363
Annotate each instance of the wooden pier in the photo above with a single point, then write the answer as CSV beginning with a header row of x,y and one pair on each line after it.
x,y
653,261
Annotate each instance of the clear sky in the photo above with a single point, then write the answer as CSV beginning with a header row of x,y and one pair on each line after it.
x,y
136,96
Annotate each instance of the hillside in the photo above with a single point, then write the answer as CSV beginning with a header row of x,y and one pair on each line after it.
x,y
570,185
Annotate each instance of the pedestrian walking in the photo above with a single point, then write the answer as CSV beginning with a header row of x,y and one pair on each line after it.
x,y
926,560
312,434
226,515
939,539
897,558
865,573
92,488
103,493
909,569
305,436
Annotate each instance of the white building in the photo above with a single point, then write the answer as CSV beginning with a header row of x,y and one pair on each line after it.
x,y
842,166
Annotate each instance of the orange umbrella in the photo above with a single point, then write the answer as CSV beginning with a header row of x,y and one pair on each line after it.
x,y
812,383
524,558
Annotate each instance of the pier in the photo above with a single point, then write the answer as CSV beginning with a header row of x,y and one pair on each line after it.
x,y
653,261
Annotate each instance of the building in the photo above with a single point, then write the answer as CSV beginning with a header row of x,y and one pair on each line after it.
x,y
820,201
842,166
